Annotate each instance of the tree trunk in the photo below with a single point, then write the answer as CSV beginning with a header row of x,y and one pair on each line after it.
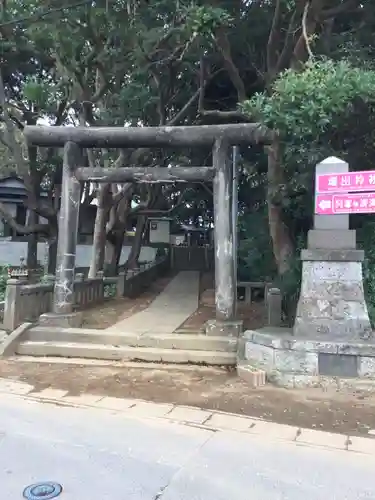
x,y
32,243
132,261
113,251
282,243
52,255
117,228
98,246
118,248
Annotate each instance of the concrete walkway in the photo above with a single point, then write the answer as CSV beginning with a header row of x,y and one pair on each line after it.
x,y
169,310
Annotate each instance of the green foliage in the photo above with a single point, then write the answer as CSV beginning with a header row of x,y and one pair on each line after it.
x,y
326,108
3,281
255,257
366,240
304,105
110,291
41,92
290,283
204,19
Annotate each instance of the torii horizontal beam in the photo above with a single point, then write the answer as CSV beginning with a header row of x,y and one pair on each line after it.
x,y
145,174
149,137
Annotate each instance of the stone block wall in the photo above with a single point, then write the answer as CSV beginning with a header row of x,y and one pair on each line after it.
x,y
291,362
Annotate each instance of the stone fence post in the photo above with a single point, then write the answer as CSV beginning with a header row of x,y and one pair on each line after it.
x,y
120,291
274,305
12,303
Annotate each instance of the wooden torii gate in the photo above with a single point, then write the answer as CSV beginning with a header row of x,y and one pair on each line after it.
x,y
220,138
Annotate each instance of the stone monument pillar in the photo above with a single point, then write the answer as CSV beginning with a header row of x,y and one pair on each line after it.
x,y
332,303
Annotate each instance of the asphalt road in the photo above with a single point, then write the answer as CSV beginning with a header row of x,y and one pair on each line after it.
x,y
99,455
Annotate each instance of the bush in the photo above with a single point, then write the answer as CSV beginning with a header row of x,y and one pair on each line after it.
x,y
255,257
3,281
366,240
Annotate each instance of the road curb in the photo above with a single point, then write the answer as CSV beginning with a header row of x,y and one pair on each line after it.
x,y
8,347
211,420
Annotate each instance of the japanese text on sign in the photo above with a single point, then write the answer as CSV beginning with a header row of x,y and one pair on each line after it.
x,y
346,182
330,204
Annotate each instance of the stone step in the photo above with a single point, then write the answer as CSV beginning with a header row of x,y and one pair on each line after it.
x,y
191,342
195,331
124,353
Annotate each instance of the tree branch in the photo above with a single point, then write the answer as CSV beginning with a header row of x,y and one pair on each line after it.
x,y
102,83
339,9
10,131
289,42
161,104
214,113
19,228
273,40
185,109
304,30
223,44
300,53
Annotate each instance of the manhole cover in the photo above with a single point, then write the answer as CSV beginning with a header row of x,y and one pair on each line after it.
x,y
42,490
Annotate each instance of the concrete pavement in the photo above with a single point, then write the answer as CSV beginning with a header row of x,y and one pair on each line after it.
x,y
146,451
172,307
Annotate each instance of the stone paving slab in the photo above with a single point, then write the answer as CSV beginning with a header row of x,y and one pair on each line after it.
x,y
207,419
15,387
231,422
185,414
110,403
320,438
52,393
148,409
172,307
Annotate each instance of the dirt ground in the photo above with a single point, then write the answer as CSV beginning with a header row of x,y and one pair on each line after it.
x,y
117,309
212,388
253,316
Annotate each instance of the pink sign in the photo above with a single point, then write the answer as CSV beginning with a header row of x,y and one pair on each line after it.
x,y
346,182
331,204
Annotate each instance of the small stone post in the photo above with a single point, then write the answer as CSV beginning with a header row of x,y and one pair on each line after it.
x,y
63,301
121,283
225,275
274,307
11,304
332,303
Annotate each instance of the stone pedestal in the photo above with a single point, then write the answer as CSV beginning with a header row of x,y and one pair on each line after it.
x,y
331,343
331,239
332,303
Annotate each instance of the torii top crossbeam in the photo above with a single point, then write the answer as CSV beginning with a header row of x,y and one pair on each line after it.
x,y
130,137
